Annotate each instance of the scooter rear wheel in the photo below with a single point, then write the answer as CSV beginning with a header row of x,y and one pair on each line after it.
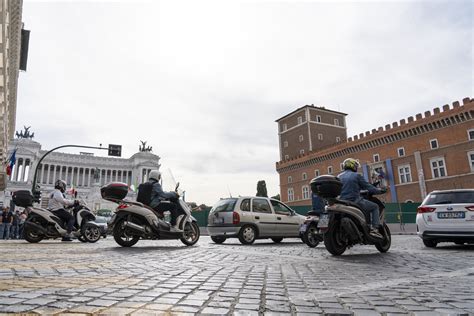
x,y
309,236
191,234
122,235
31,235
333,242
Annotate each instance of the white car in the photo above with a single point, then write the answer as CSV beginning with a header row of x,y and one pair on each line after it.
x,y
446,216
249,218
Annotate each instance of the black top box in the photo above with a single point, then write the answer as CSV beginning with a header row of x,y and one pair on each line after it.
x,y
22,198
326,186
114,191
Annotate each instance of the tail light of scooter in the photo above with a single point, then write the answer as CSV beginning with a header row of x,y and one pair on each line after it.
x,y
235,218
425,209
122,206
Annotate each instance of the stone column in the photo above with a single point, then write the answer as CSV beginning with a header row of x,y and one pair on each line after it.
x,y
83,177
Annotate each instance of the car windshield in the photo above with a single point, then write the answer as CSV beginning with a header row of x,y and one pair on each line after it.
x,y
461,197
226,205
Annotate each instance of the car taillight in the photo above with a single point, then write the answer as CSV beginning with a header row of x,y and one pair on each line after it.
x,y
470,208
425,209
235,218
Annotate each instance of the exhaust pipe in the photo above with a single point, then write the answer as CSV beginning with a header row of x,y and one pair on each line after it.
x,y
37,227
135,227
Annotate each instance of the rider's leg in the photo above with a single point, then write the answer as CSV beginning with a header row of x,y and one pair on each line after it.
x,y
373,209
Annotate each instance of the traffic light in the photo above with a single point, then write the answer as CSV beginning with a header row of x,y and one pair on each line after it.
x,y
115,150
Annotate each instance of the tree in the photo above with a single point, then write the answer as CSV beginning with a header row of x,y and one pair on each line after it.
x,y
276,197
262,188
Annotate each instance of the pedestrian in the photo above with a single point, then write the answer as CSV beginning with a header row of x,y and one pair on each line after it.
x,y
15,228
7,219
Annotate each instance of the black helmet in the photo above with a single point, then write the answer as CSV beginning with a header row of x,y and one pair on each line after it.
x,y
60,185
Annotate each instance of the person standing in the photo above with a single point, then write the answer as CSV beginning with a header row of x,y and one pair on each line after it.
x,y
7,219
15,228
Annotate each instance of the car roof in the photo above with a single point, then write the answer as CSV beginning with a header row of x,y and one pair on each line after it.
x,y
453,191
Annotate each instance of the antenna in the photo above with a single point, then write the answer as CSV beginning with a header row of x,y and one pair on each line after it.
x,y
230,194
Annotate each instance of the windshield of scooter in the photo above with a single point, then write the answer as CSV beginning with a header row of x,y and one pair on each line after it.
x,y
168,182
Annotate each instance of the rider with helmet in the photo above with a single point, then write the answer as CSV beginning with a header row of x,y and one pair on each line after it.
x,y
158,197
57,202
352,184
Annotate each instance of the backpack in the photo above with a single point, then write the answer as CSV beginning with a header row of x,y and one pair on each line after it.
x,y
144,193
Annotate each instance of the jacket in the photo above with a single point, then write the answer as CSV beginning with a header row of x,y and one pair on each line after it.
x,y
352,184
58,201
158,195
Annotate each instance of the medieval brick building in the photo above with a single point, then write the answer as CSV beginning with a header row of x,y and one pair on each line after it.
x,y
427,152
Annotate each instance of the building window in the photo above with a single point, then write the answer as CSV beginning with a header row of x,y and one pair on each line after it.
x,y
302,152
316,173
376,158
438,167
285,127
285,144
330,169
300,119
341,166
318,118
291,194
287,157
305,192
304,176
434,143
290,179
336,122
401,151
338,139
320,136
301,138
470,156
470,134
404,174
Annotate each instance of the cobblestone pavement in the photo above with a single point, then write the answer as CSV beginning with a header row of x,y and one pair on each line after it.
x,y
168,278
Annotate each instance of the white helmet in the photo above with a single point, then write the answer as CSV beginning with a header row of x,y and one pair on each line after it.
x,y
60,185
154,174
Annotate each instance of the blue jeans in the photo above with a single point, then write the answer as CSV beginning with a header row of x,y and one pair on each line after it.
x,y
5,230
15,231
373,209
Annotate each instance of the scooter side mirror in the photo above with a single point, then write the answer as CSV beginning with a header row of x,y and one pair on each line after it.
x,y
177,186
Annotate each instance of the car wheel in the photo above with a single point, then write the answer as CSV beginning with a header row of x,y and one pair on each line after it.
x,y
430,243
247,235
218,239
277,239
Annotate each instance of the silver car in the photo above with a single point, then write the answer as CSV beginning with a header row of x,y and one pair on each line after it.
x,y
249,218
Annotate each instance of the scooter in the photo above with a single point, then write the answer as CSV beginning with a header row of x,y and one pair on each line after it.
x,y
343,223
43,224
133,221
309,231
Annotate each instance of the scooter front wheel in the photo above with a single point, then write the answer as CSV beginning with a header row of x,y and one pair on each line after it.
x,y
191,234
91,232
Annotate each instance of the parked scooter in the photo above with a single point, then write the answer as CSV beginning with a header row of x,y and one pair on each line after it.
x,y
134,220
44,224
343,223
309,231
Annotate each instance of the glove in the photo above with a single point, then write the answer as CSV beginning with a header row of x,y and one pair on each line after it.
x,y
383,190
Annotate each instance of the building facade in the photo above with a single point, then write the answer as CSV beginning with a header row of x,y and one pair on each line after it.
x,y
10,39
412,157
84,172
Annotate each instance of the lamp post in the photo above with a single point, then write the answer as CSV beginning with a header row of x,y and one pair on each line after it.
x,y
114,150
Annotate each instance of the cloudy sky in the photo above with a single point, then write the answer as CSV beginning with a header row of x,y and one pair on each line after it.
x,y
204,81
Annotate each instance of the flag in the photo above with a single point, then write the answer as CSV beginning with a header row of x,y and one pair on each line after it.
x,y
11,163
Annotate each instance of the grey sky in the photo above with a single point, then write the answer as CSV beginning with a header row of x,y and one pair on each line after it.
x,y
204,81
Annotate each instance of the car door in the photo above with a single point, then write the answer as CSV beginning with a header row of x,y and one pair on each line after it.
x,y
287,222
263,217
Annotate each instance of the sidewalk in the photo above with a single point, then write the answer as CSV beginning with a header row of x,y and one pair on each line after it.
x,y
407,229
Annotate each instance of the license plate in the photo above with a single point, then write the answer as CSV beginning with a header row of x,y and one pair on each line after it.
x,y
323,221
444,215
303,228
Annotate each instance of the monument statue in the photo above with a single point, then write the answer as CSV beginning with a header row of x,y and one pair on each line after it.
x,y
144,148
25,134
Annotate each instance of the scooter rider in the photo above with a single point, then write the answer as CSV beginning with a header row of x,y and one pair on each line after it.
x,y
352,184
57,202
157,199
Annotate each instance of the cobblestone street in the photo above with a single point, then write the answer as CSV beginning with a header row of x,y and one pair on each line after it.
x,y
166,277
